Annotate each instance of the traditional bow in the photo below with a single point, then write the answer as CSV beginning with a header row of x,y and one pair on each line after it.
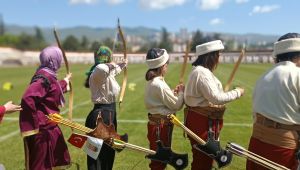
x,y
228,84
68,71
124,82
183,68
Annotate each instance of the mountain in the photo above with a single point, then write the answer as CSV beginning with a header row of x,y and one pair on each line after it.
x,y
98,34
251,38
93,34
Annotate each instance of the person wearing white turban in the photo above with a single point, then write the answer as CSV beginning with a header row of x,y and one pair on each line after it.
x,y
276,103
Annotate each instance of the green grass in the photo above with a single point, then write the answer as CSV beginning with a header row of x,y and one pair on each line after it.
x,y
239,112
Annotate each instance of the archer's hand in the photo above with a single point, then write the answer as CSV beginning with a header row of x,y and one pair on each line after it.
x,y
242,91
68,77
10,107
124,61
179,88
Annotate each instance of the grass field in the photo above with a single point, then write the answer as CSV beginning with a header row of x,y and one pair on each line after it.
x,y
237,119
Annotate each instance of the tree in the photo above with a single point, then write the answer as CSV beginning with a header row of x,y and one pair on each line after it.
x,y
39,35
95,45
230,45
165,41
217,36
71,43
144,48
84,44
25,42
2,30
39,42
196,40
110,43
9,40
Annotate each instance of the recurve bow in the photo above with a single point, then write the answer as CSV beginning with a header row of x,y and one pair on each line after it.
x,y
68,71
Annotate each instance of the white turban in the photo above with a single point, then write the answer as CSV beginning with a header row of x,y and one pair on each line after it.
x,y
286,46
209,47
158,62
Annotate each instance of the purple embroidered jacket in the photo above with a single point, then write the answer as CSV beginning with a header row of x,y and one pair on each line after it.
x,y
39,101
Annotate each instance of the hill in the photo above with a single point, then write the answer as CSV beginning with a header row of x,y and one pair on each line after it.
x,y
145,33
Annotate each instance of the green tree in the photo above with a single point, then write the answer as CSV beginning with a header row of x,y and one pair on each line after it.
x,y
230,45
95,45
110,43
196,40
39,42
2,30
9,40
71,43
165,41
39,35
217,36
84,44
26,42
144,48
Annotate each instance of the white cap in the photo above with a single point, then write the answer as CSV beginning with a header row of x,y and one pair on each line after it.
x,y
209,47
158,62
287,45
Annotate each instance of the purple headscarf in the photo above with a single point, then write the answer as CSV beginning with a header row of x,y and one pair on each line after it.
x,y
51,57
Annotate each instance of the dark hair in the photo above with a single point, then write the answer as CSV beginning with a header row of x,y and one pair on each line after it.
x,y
208,60
290,55
86,82
153,53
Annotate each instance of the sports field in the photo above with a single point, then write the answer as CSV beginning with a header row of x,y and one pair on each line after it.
x,y
132,118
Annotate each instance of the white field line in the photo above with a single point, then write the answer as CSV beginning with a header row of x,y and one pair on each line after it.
x,y
7,136
136,121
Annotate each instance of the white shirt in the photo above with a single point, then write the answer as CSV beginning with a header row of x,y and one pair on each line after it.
x,y
203,89
160,99
277,94
103,85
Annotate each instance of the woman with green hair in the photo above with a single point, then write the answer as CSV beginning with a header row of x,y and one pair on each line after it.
x,y
104,91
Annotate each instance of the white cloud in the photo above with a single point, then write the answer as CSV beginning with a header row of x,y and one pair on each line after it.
x,y
215,21
209,4
241,1
160,4
264,9
114,2
83,1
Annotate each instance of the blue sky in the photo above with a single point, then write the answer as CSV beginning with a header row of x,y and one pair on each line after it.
x,y
230,16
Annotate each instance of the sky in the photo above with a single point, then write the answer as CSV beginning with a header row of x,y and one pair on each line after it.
x,y
274,17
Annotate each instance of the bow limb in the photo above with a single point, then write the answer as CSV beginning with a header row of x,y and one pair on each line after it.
x,y
183,68
68,71
124,82
228,84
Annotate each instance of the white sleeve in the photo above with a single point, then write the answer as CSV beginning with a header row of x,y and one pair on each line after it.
x,y
115,69
172,101
214,94
100,73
